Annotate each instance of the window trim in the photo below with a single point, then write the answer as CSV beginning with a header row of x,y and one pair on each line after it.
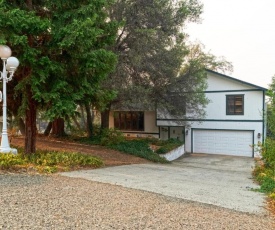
x,y
227,99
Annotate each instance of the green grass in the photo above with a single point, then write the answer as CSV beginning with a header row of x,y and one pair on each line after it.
x,y
47,161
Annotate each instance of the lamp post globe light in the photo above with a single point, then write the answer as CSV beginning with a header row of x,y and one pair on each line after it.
x,y
9,66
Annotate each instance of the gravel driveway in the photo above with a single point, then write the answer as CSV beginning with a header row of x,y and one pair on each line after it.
x,y
57,202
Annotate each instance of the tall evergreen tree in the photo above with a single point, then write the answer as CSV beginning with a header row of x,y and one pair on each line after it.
x,y
62,49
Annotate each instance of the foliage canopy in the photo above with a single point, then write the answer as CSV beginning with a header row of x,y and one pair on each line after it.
x,y
157,67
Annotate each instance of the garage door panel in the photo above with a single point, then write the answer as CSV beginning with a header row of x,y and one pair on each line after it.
x,y
226,142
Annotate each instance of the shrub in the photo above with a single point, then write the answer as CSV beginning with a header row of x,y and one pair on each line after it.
x,y
267,185
268,152
111,136
264,171
105,137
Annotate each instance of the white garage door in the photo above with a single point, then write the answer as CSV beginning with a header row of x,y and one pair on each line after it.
x,y
227,142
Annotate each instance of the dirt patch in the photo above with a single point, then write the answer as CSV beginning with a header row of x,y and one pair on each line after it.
x,y
110,157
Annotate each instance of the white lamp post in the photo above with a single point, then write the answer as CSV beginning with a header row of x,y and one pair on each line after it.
x,y
9,66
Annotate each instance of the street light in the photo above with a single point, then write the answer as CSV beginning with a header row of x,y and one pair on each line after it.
x,y
9,66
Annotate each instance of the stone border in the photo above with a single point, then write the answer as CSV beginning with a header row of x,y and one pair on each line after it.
x,y
174,154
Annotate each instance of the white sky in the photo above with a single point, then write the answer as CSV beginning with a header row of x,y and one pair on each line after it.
x,y
243,31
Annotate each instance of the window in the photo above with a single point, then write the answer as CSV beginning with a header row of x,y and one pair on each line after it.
x,y
133,121
234,104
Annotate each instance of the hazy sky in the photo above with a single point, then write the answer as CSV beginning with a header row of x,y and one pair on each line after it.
x,y
243,31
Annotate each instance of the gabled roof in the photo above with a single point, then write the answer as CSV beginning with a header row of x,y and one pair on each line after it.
x,y
235,79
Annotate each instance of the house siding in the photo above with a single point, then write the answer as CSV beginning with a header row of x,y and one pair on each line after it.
x,y
217,119
253,108
219,86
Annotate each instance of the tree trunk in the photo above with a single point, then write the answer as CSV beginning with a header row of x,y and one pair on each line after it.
x,y
58,127
76,122
83,121
30,124
89,120
105,118
22,126
48,129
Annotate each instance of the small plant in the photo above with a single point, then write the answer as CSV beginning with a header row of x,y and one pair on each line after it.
x,y
9,160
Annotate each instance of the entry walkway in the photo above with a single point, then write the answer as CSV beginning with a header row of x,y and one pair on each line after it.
x,y
224,181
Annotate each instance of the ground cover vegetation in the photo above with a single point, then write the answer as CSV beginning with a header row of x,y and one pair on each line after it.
x,y
147,148
47,161
77,57
139,148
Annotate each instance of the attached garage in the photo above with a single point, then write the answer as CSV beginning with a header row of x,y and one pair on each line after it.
x,y
226,142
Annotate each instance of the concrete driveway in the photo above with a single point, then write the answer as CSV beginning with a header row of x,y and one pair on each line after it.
x,y
224,181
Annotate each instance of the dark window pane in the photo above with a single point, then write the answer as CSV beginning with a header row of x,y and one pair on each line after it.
x,y
230,105
116,120
122,121
141,121
234,105
128,121
134,121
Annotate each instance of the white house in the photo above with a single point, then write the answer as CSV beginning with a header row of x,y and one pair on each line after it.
x,y
234,120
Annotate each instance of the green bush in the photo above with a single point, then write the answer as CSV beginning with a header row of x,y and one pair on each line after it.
x,y
111,136
139,148
267,185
